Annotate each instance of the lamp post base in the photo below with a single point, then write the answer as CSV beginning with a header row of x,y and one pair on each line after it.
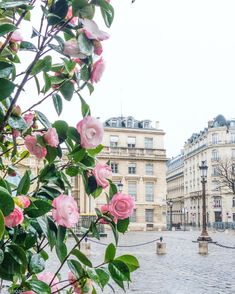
x,y
204,238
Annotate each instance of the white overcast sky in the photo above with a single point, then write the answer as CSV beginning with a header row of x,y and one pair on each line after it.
x,y
171,61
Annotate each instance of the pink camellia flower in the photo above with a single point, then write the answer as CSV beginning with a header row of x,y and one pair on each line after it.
x,y
16,36
46,278
29,118
102,173
15,133
98,50
16,110
121,206
15,218
97,70
74,20
65,211
51,137
28,292
104,209
22,201
34,148
91,132
92,31
77,287
71,48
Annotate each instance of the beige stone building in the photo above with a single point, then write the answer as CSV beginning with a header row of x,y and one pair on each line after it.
x,y
137,157
216,145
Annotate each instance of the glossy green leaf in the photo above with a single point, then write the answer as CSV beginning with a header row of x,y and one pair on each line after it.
x,y
47,85
67,90
75,267
39,286
77,5
107,12
6,28
94,152
43,119
1,256
51,153
110,252
73,134
24,184
6,202
122,225
42,65
58,103
103,277
6,88
72,171
5,69
12,3
81,257
61,250
85,45
112,189
17,123
38,208
18,254
61,128
85,107
27,46
36,264
130,260
119,272
87,11
2,225
59,8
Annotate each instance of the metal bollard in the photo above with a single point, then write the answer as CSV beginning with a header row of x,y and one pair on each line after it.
x,y
203,247
85,247
161,247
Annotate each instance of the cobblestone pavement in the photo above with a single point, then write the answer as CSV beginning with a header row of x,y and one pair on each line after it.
x,y
182,270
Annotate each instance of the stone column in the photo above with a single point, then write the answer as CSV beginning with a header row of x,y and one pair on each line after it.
x,y
203,247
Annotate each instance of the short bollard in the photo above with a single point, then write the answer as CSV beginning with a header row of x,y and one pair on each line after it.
x,y
85,247
161,247
203,247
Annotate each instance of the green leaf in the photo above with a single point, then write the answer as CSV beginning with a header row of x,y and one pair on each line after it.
x,y
85,107
81,257
5,69
112,190
77,5
58,103
6,88
51,153
6,202
36,264
42,65
130,260
95,151
97,192
122,225
18,254
11,3
90,88
61,233
85,75
72,171
6,28
94,230
59,8
67,90
17,123
27,46
24,184
73,134
43,119
39,287
37,84
47,172
47,81
61,128
85,45
61,250
1,256
107,12
103,277
2,225
87,11
75,267
119,272
110,252
38,208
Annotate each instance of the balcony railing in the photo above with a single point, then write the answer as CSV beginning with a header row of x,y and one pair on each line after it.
x,y
135,152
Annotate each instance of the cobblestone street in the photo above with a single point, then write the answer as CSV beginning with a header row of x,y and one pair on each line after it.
x,y
182,270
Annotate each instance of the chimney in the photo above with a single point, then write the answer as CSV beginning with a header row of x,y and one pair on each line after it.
x,y
157,124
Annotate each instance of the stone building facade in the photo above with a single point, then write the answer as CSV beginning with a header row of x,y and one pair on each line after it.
x,y
215,145
137,157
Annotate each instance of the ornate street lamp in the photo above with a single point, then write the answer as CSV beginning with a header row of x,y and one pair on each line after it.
x,y
120,186
170,203
204,235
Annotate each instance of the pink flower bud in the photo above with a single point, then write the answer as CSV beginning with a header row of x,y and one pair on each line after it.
x,y
97,47
15,218
29,118
16,110
71,48
74,20
15,133
16,36
92,31
51,137
97,70
22,201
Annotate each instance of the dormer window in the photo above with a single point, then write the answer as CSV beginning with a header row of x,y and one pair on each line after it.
x,y
113,123
129,123
146,124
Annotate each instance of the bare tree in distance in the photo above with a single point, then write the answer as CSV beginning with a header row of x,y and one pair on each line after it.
x,y
225,172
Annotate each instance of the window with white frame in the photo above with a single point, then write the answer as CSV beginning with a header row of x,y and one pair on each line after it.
x,y
132,189
215,170
215,138
129,123
232,137
114,167
132,168
149,191
148,143
133,216
131,141
114,141
114,123
149,215
149,169
215,155
215,186
217,202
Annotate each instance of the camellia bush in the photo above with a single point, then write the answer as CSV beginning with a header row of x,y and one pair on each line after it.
x,y
62,58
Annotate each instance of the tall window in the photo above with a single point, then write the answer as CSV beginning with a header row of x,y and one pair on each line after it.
x,y
232,137
234,201
132,168
148,143
215,170
233,217
149,215
129,123
113,123
131,141
215,154
114,167
132,189
233,154
215,138
149,192
114,141
133,216
217,202
149,169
